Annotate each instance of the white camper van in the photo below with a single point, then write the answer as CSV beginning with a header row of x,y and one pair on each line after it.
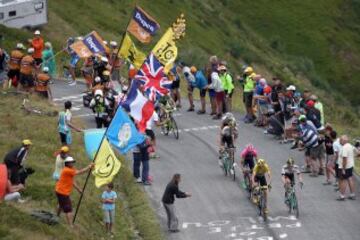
x,y
23,13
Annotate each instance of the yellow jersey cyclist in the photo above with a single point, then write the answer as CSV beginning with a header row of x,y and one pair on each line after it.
x,y
261,176
288,172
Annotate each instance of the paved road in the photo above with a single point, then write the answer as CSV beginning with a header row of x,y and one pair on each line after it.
x,y
219,208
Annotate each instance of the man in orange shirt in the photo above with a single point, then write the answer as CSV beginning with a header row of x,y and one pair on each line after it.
x,y
38,44
14,64
42,82
27,71
65,185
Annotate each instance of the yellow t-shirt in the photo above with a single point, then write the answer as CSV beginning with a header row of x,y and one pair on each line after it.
x,y
261,170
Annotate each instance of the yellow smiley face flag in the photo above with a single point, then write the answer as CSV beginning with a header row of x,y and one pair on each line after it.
x,y
106,165
129,51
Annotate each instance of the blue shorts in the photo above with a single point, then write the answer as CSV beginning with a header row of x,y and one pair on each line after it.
x,y
74,60
212,93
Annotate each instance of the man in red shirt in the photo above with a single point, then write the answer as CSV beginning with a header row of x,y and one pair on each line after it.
x,y
38,44
65,185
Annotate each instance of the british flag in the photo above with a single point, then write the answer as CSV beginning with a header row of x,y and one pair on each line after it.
x,y
151,76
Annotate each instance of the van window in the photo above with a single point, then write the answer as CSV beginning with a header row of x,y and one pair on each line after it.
x,y
1,15
12,13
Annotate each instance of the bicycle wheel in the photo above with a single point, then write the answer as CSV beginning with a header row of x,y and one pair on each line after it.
x,y
225,164
174,128
233,171
263,212
164,127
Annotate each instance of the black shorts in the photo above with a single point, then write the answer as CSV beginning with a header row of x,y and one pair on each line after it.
x,y
190,88
248,97
347,175
14,73
63,138
27,80
261,180
227,141
202,92
337,175
150,133
64,203
175,85
250,163
307,152
291,177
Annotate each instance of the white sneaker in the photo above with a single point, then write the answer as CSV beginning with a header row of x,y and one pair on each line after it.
x,y
220,163
21,200
138,180
231,171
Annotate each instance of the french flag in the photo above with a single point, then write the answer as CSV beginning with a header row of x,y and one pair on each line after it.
x,y
139,107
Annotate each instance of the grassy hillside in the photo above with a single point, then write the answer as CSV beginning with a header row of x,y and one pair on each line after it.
x,y
135,219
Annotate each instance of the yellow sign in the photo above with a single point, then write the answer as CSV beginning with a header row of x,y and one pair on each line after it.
x,y
129,51
165,50
106,165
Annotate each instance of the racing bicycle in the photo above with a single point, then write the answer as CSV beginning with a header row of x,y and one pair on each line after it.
x,y
168,123
228,164
260,200
291,200
247,180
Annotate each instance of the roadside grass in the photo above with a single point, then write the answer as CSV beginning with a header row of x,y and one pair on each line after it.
x,y
134,217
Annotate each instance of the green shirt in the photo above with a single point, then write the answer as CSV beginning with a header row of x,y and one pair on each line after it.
x,y
319,106
249,84
227,82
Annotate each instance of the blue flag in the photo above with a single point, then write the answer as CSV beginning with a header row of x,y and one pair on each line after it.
x,y
92,139
122,132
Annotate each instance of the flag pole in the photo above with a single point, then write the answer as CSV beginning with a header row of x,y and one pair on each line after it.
x,y
97,152
122,41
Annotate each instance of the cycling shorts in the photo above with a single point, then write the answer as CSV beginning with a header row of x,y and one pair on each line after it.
x,y
250,163
291,177
261,179
228,141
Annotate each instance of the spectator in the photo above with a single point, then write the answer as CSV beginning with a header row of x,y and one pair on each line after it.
x,y
88,71
65,125
27,71
228,85
330,137
42,84
12,192
141,157
346,165
74,59
100,106
48,59
59,162
108,199
150,133
319,106
16,56
212,67
15,161
337,148
313,114
190,79
65,185
4,58
310,139
115,62
260,99
175,86
305,98
37,43
201,84
216,85
249,86
168,199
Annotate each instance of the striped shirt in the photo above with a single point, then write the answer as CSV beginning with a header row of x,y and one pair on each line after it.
x,y
309,136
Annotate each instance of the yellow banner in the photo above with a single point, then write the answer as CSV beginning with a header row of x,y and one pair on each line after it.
x,y
106,165
165,50
129,51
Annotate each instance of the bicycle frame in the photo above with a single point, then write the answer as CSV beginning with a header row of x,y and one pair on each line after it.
x,y
291,200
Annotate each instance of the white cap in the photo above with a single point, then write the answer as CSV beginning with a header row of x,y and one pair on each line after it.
x,y
80,38
291,88
30,50
37,32
69,159
125,88
20,46
46,69
113,43
97,79
105,42
98,92
104,59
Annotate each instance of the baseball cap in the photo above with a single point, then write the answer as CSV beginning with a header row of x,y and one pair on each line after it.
x,y
69,159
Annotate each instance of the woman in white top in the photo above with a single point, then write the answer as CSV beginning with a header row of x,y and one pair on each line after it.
x,y
59,162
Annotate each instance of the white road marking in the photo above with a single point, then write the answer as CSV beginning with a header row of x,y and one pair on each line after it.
x,y
283,235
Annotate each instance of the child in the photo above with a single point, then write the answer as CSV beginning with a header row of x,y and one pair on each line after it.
x,y
108,199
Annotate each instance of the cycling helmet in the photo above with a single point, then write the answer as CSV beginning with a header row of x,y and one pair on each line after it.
x,y
250,148
261,162
45,69
98,93
290,161
20,46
